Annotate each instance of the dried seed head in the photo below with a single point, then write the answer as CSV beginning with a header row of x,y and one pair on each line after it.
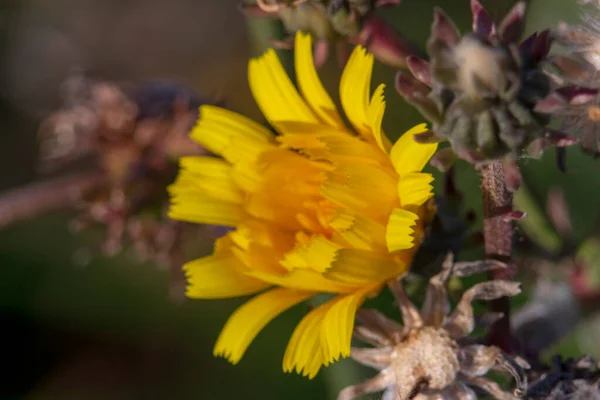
x,y
425,354
479,90
424,359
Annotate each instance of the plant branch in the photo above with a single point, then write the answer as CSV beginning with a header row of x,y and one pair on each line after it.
x,y
41,197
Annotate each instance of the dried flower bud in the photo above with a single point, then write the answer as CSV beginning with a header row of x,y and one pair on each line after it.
x,y
339,22
479,90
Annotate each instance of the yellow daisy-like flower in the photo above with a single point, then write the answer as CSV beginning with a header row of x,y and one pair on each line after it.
x,y
317,209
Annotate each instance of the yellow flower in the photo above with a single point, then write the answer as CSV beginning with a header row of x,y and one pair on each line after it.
x,y
317,209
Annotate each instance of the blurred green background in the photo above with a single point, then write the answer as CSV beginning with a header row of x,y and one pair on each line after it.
x,y
108,329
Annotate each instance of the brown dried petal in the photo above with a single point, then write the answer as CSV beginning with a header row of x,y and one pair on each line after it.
x,y
377,327
490,387
436,302
377,358
477,359
463,269
410,314
379,382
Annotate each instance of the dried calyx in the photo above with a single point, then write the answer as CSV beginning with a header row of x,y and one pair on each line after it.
x,y
429,356
338,22
479,90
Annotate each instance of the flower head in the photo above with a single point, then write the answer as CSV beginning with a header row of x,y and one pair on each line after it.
x,y
479,90
427,357
317,209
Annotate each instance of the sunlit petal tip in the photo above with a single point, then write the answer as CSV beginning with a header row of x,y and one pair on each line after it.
x,y
410,156
400,230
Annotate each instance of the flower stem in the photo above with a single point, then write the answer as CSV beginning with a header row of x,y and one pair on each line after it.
x,y
42,197
498,235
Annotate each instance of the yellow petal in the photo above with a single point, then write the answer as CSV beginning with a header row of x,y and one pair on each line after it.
x,y
400,229
355,89
304,353
363,189
375,116
303,279
409,156
317,254
249,319
363,267
360,232
219,276
191,206
207,176
220,130
274,93
338,324
333,146
310,85
415,188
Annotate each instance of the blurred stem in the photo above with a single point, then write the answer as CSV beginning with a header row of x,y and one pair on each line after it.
x,y
262,32
498,235
536,226
42,197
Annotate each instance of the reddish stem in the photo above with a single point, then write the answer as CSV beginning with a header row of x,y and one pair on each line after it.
x,y
498,235
42,197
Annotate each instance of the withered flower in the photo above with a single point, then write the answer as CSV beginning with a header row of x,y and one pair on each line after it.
x,y
134,139
480,89
429,357
338,22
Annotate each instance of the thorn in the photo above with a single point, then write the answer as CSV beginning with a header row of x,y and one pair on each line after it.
x,y
514,216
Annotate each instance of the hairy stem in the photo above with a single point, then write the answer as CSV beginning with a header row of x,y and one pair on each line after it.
x,y
42,197
498,235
